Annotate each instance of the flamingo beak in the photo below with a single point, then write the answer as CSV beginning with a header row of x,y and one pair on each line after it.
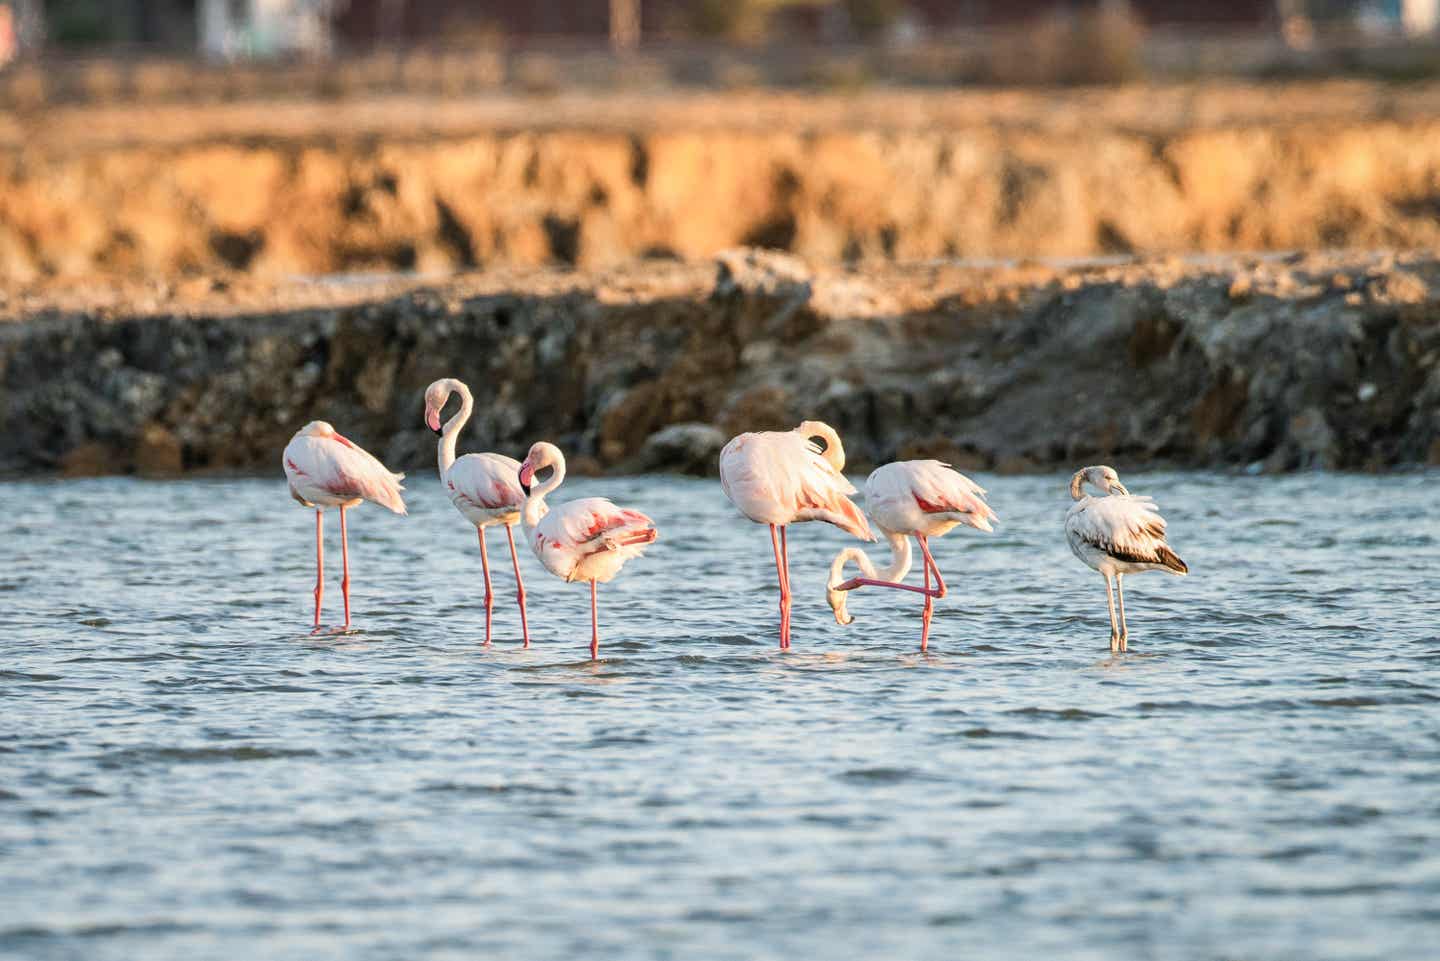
x,y
836,600
432,419
527,475
1118,488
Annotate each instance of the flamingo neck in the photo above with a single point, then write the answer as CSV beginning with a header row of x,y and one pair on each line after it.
x,y
535,506
895,573
453,427
834,450
1077,485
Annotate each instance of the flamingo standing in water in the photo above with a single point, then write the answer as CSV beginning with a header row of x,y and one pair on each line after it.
x,y
588,539
1117,535
485,488
912,498
786,477
326,469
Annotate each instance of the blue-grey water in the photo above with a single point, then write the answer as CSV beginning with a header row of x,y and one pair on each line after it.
x,y
186,773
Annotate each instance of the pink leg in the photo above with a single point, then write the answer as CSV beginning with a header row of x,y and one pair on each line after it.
x,y
345,566
929,610
319,563
594,626
489,596
779,573
519,584
785,560
930,595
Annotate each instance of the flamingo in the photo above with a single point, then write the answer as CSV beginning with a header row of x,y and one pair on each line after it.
x,y
588,539
1117,535
912,498
326,469
786,477
484,488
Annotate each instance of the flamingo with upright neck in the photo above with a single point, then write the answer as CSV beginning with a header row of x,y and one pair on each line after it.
x,y
913,498
484,488
786,477
326,469
588,539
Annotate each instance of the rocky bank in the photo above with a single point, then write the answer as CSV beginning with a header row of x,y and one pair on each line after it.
x,y
1280,362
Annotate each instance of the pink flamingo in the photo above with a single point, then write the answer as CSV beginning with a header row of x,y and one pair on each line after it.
x,y
326,469
588,539
786,477
484,488
912,498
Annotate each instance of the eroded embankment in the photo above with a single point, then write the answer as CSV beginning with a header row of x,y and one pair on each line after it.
x,y
1320,361
904,178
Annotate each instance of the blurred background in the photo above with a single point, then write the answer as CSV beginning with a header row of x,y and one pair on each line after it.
x,y
304,137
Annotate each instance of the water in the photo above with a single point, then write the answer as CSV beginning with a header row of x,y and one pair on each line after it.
x,y
186,774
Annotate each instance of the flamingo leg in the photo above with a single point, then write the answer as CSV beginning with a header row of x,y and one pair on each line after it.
x,y
594,626
1120,597
319,563
785,560
345,566
1114,630
489,594
928,611
519,583
779,573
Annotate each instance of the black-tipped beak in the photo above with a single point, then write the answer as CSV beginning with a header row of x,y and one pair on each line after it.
x,y
438,431
521,477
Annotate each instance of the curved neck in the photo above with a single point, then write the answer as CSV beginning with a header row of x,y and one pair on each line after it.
x,y
834,450
895,573
535,504
1077,485
453,426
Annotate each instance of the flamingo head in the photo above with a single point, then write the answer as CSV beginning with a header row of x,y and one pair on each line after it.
x,y
322,429
542,454
435,397
1104,478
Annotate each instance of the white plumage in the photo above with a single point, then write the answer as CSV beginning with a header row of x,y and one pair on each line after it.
x,y
485,488
1116,535
326,469
784,477
588,539
913,498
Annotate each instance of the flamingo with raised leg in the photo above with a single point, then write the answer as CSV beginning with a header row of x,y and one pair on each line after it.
x,y
588,539
1116,535
781,478
326,469
913,498
485,488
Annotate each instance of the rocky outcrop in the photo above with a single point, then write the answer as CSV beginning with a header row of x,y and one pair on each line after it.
x,y
1282,363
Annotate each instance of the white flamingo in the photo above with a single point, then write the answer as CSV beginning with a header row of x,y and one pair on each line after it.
x,y
1117,535
786,477
912,498
485,488
588,539
326,469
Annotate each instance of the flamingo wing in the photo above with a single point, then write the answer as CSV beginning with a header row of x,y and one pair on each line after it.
x,y
937,488
1127,527
573,532
341,468
488,481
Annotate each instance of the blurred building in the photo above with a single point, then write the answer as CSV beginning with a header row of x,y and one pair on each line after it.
x,y
265,28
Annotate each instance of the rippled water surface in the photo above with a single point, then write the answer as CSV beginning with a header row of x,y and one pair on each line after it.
x,y
186,773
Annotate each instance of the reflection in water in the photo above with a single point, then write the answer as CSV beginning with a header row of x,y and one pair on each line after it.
x,y
185,772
